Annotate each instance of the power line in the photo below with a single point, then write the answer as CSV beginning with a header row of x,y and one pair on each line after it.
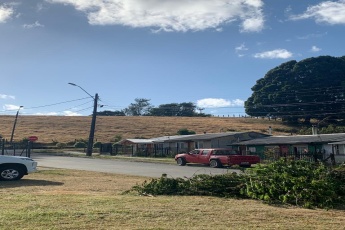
x,y
59,103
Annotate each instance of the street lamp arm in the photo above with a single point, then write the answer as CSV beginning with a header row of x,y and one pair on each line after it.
x,y
82,89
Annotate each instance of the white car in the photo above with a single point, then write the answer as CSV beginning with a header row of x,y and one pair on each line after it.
x,y
15,167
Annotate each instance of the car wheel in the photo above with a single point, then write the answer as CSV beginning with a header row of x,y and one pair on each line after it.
x,y
181,161
215,164
10,173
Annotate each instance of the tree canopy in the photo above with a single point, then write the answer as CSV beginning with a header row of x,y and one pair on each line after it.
x,y
140,107
310,88
185,109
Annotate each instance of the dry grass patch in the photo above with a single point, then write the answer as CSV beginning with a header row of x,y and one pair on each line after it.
x,y
69,199
66,129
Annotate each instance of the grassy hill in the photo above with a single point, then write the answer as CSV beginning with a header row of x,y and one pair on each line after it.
x,y
65,129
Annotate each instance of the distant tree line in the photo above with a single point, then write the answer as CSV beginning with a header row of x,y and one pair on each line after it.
x,y
143,107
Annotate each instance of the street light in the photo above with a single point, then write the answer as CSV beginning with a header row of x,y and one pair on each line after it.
x,y
93,121
14,124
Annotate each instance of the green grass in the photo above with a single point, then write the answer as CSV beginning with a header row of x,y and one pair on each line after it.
x,y
70,199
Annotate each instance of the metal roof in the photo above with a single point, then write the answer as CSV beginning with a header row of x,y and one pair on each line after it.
x,y
151,140
186,138
208,136
298,139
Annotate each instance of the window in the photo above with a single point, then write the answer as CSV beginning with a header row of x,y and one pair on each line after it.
x,y
302,149
194,152
180,145
225,152
205,152
252,149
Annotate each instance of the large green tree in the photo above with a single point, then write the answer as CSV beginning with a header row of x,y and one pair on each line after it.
x,y
140,107
310,88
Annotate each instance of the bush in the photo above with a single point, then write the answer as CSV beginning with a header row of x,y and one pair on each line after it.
x,y
225,185
117,138
293,182
185,131
80,145
60,145
299,183
97,144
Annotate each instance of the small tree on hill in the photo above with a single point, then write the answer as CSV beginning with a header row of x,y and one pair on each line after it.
x,y
185,131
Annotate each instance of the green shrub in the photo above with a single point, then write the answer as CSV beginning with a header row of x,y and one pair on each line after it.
x,y
71,143
80,145
185,131
60,145
299,183
24,140
117,138
225,185
97,144
293,182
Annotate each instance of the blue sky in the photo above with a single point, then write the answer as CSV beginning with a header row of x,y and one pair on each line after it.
x,y
210,52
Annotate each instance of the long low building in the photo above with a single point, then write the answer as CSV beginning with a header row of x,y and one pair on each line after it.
x,y
323,144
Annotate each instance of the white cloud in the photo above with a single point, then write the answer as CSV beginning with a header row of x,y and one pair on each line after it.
x,y
34,25
71,113
65,113
330,12
4,96
10,107
218,102
5,13
309,36
242,47
315,49
172,15
278,53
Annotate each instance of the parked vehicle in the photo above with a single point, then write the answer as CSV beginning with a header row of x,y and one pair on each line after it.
x,y
216,158
15,167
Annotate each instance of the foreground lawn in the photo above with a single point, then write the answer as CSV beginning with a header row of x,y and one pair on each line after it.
x,y
67,199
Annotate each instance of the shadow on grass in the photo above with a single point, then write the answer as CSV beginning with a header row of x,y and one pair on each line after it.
x,y
340,207
28,182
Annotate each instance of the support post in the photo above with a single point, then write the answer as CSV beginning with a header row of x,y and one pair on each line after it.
x,y
92,128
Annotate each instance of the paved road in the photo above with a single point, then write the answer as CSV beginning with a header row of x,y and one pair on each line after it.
x,y
125,167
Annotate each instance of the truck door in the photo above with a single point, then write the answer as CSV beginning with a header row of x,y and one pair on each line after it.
x,y
193,156
204,156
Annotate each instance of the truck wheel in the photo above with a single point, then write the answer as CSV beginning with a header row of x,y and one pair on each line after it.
x,y
215,164
181,161
245,165
10,173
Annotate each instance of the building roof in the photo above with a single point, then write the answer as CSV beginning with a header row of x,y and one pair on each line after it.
x,y
151,140
298,139
193,137
210,136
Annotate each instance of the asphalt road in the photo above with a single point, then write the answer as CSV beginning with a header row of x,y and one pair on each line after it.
x,y
153,170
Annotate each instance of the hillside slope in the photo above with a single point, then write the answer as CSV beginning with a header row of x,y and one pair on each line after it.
x,y
65,129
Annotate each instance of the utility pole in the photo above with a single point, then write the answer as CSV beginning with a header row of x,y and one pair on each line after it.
x,y
92,128
93,121
14,124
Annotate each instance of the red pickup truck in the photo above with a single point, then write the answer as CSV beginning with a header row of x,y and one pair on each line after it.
x,y
216,158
